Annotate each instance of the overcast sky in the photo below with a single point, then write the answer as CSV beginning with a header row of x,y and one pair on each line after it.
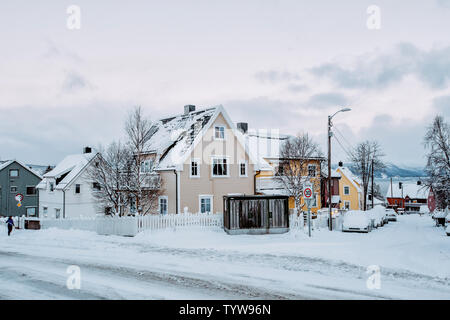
x,y
274,64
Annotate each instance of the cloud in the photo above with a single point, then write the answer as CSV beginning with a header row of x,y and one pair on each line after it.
x,y
442,105
273,76
327,100
378,71
74,82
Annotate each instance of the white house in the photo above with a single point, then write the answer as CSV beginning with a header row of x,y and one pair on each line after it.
x,y
66,191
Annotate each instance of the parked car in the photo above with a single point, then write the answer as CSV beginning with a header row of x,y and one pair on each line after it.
x,y
356,221
391,215
400,211
377,215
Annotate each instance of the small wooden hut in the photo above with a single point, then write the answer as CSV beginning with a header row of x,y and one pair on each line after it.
x,y
256,214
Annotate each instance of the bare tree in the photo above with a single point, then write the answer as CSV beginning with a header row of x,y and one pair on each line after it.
x,y
143,184
295,156
363,156
437,141
109,180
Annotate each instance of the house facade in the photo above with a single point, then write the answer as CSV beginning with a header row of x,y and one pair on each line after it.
x,y
350,191
67,191
335,193
200,157
407,196
17,181
266,146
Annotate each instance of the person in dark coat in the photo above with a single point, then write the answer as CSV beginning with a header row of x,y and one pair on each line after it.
x,y
10,224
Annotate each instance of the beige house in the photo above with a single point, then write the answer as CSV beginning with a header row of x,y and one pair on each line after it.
x,y
200,156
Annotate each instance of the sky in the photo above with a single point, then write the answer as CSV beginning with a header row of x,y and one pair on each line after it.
x,y
283,65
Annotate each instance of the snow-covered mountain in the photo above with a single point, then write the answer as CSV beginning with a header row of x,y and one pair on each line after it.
x,y
393,170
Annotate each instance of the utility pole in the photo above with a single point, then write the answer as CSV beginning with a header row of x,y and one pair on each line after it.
x,y
329,173
372,186
330,134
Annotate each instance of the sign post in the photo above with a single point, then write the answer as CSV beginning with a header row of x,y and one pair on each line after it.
x,y
308,195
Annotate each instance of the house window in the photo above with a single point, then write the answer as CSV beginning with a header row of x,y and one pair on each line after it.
x,y
311,170
219,133
77,188
13,173
314,204
195,170
242,169
52,187
146,166
13,189
31,191
346,190
347,205
45,211
205,204
163,204
57,213
280,168
96,186
220,167
31,212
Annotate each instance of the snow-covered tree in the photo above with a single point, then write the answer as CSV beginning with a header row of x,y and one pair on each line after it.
x,y
143,184
109,180
295,156
363,156
437,141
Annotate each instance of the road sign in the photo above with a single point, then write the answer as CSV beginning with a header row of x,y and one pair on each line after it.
x,y
308,193
19,198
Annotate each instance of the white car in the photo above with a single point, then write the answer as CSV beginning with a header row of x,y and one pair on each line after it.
x,y
356,221
378,215
391,214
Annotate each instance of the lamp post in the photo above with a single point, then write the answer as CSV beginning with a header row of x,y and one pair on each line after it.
x,y
330,134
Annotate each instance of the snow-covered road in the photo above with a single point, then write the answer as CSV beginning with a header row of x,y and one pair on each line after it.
x,y
414,258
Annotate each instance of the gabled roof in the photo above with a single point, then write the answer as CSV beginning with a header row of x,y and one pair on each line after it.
x,y
173,139
71,166
412,190
350,176
4,164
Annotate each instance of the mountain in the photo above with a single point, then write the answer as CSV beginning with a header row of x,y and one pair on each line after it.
x,y
393,170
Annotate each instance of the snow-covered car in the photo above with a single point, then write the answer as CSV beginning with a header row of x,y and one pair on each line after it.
x,y
377,216
356,221
391,215
400,211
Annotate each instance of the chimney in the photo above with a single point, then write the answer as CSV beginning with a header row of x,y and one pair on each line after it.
x,y
87,150
341,164
242,126
189,108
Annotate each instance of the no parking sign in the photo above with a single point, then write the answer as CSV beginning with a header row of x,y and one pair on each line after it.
x,y
19,198
308,194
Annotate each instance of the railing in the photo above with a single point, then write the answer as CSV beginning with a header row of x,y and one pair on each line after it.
x,y
157,222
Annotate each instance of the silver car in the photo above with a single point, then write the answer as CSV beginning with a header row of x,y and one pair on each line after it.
x,y
391,215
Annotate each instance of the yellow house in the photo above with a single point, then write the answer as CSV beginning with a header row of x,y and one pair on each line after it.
x,y
350,190
266,146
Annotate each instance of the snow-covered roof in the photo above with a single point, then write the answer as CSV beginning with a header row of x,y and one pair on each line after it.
x,y
412,190
173,139
69,168
350,176
6,163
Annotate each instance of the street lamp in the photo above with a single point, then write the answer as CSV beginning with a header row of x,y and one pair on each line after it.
x,y
329,161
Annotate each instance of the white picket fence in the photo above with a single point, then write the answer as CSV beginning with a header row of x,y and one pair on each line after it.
x,y
85,223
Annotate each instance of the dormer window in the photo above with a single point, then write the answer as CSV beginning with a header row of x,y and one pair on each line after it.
x,y
52,186
219,133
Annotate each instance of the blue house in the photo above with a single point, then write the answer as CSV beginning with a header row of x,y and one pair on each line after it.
x,y
18,195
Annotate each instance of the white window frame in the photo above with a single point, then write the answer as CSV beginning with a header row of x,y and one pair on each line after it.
x,y
205,196
227,166
57,210
35,211
146,166
11,170
343,190
215,130
75,189
167,204
50,186
243,162
45,211
349,204
197,161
